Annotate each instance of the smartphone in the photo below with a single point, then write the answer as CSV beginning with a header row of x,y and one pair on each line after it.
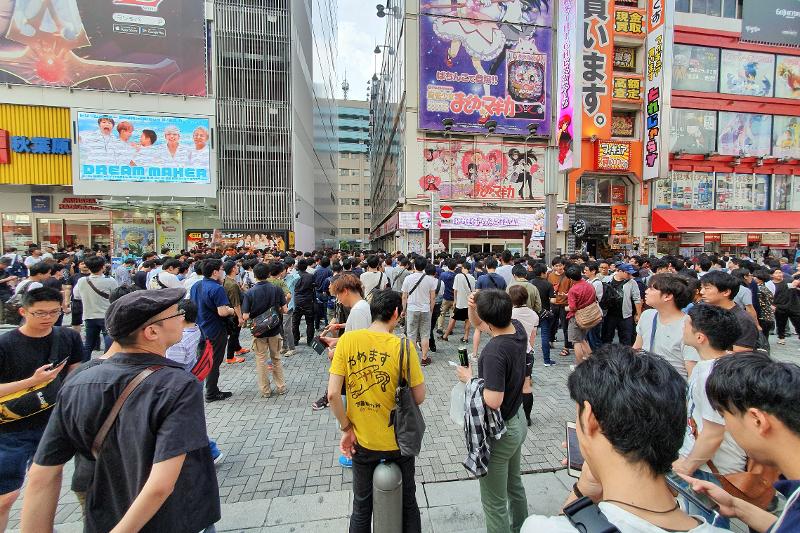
x,y
318,346
682,487
53,366
574,456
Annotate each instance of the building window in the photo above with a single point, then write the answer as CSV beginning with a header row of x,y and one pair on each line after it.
x,y
366,202
601,190
695,68
343,172
366,231
349,201
344,187
367,172
355,187
731,9
367,216
355,231
725,191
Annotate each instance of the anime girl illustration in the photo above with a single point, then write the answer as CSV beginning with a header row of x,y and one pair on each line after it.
x,y
564,141
523,167
748,81
790,73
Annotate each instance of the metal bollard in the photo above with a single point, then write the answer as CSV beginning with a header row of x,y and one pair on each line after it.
x,y
387,499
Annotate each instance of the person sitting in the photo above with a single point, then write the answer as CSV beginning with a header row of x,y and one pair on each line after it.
x,y
631,416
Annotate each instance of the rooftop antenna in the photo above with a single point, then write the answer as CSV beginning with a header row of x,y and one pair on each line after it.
x,y
345,85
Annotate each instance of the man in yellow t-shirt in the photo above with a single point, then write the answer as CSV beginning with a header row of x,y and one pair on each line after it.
x,y
367,361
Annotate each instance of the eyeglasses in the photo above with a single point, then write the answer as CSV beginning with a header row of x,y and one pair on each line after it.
x,y
179,313
46,314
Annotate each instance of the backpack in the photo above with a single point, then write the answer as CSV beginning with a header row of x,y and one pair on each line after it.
x,y
613,294
375,289
14,304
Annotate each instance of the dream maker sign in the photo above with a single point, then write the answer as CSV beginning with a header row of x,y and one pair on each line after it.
x,y
477,221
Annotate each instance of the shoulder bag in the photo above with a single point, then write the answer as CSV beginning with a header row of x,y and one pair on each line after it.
x,y
13,305
266,321
33,400
754,485
376,288
409,426
100,293
589,316
416,284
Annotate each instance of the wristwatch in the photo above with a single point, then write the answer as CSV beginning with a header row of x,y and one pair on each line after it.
x,y
348,426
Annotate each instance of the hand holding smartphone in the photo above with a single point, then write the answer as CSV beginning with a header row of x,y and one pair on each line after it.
x,y
574,456
59,364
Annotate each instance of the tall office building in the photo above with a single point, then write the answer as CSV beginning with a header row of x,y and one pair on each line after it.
x,y
354,183
276,112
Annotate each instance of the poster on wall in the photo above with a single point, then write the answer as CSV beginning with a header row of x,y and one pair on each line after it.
x,y
267,239
771,21
744,134
569,72
703,187
658,81
485,61
619,219
475,170
139,148
786,137
787,77
623,124
749,73
693,131
681,189
662,193
695,68
150,46
624,59
199,238
168,230
597,57
133,230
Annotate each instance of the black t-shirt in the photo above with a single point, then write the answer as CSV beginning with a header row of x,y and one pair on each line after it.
x,y
545,289
164,418
749,335
21,355
262,297
140,279
74,282
6,291
84,466
615,303
53,283
502,367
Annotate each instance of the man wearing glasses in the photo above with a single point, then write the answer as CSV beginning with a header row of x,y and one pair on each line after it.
x,y
27,355
154,470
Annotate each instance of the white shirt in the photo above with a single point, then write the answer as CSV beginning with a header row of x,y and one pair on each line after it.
x,y
360,317
28,286
504,271
199,158
529,320
98,148
180,159
420,299
31,260
729,457
668,341
770,285
463,285
147,156
370,280
626,522
744,297
170,280
189,282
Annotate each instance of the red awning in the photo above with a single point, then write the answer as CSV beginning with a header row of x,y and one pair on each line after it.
x,y
675,221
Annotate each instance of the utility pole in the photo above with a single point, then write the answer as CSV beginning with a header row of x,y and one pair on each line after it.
x,y
552,177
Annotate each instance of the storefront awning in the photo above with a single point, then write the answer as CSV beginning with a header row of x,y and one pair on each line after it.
x,y
675,221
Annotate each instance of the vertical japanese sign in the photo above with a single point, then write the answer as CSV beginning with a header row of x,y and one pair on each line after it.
x,y
598,50
569,74
658,78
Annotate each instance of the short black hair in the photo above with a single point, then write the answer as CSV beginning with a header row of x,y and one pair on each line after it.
x,y
384,303
210,266
506,256
373,261
638,399
419,263
39,268
276,268
675,285
227,267
494,307
705,264
430,269
325,262
519,271
742,381
574,272
95,263
491,262
261,271
593,266
539,269
302,265
150,134
40,294
189,309
718,324
722,281
171,263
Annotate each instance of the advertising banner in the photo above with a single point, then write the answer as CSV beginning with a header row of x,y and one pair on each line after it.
x,y
625,58
266,239
569,74
597,55
151,46
613,156
695,68
199,238
138,148
693,239
775,239
629,22
419,220
168,230
627,87
733,239
619,219
693,131
787,77
623,124
748,73
771,22
134,230
786,137
744,134
475,170
486,61
658,50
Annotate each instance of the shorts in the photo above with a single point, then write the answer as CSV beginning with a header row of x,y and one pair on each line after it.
x,y
418,325
76,316
575,333
447,308
461,315
16,453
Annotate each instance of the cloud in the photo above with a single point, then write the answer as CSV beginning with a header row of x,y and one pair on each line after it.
x,y
359,31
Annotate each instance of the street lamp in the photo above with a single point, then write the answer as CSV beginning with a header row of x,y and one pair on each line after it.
x,y
379,46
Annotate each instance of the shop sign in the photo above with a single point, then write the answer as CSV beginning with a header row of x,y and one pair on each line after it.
x,y
629,22
598,16
41,203
569,72
624,58
613,155
419,220
40,145
256,239
775,239
713,237
627,88
618,194
734,239
623,124
195,237
619,219
5,149
78,203
669,237
692,239
753,237
658,51
168,230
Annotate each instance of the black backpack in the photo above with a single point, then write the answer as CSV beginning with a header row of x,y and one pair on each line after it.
x,y
613,294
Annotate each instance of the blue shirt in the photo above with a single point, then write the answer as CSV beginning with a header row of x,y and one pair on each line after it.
x,y
320,275
791,515
491,280
447,278
291,281
208,294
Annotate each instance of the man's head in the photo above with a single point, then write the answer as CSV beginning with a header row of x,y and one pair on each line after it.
x,y
146,320
211,268
348,290
494,307
373,262
777,275
506,257
172,134
385,306
125,130
602,267
95,264
171,265
630,405
591,268
539,270
758,397
519,271
302,265
712,326
558,266
40,271
189,310
5,262
667,289
230,268
41,307
261,271
200,137
624,271
574,272
718,288
419,263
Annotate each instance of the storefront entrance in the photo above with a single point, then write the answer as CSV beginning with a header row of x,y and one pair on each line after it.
x,y
485,246
22,230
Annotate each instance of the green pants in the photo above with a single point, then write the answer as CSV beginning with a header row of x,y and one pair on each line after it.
x,y
502,494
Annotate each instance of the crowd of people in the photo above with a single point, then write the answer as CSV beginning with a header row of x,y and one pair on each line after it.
x,y
669,371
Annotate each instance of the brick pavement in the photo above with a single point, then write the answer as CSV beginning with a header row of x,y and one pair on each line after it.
x,y
279,447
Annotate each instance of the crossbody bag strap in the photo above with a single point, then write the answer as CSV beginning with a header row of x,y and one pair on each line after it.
x,y
402,351
417,284
54,345
100,438
380,282
653,332
408,362
98,291
159,282
467,280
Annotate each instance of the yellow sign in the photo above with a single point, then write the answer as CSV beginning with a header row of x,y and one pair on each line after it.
x,y
624,58
36,124
613,155
629,22
627,88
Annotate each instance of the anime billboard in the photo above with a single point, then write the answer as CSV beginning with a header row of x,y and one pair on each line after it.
x,y
485,61
787,77
786,137
744,134
747,73
474,170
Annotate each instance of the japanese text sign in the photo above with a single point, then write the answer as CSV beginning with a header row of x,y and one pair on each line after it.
x,y
613,156
658,77
627,88
629,22
598,18
40,145
569,74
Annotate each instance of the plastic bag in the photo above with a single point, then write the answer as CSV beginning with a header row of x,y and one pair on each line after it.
x,y
457,404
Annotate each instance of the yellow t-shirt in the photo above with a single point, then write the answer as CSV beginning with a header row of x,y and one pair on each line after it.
x,y
370,364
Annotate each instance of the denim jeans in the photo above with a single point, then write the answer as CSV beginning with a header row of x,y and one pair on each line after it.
x,y
546,324
16,453
595,336
712,518
94,328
